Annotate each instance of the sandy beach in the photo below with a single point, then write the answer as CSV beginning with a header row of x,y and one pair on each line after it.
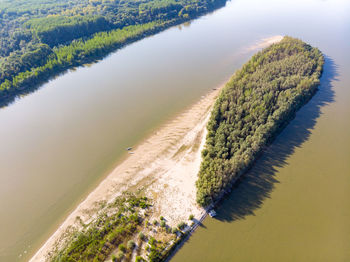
x,y
164,167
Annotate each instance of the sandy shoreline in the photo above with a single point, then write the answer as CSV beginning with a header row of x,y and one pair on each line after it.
x,y
164,167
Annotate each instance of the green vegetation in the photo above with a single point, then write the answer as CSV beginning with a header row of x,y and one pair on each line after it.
x,y
54,30
181,225
110,230
122,248
139,259
155,251
252,109
120,255
112,234
142,236
41,38
131,244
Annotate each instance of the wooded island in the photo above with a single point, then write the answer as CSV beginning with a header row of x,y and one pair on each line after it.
x,y
255,105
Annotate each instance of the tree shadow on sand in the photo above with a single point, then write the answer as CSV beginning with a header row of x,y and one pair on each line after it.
x,y
258,183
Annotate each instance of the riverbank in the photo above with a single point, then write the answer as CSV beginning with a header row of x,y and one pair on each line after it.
x,y
86,50
164,167
258,102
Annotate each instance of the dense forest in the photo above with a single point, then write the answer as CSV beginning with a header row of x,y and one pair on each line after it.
x,y
253,107
40,38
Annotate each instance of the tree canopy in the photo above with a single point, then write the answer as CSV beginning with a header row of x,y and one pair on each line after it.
x,y
252,108
40,38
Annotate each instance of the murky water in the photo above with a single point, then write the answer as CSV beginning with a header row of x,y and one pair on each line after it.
x,y
59,142
294,205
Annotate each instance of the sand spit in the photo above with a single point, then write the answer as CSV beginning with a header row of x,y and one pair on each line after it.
x,y
265,42
164,167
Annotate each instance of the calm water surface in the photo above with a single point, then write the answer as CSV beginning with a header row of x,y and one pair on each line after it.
x,y
59,142
294,205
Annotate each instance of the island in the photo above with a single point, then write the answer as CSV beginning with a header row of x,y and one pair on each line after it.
x,y
256,104
156,198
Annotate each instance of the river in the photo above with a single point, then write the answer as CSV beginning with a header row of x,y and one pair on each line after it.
x,y
294,204
59,142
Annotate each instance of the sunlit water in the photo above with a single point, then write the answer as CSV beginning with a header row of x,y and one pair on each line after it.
x,y
59,142
294,205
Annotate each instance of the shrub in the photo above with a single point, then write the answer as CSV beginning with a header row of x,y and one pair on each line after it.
x,y
131,245
191,217
122,248
155,254
174,230
152,241
139,259
181,225
93,243
142,236
162,223
120,255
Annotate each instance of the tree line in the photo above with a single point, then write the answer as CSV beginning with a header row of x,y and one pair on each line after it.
x,y
35,34
74,54
251,110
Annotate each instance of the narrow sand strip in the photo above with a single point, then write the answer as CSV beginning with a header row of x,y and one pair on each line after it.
x,y
164,167
265,42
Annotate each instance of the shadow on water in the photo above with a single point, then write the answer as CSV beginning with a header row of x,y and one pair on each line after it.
x,y
258,183
200,224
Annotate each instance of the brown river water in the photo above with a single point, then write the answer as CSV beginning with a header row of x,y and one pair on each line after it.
x,y
294,204
59,142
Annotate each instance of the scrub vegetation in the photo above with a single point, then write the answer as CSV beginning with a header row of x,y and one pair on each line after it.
x,y
111,231
41,38
255,105
120,232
